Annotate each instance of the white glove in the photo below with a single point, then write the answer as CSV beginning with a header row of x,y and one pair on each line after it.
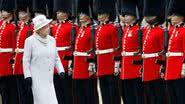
x,y
183,71
69,68
162,71
92,67
116,68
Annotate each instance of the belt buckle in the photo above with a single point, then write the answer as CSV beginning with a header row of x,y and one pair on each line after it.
x,y
75,54
17,50
181,54
97,52
123,53
167,54
143,56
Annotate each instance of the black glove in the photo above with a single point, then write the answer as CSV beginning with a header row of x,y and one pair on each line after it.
x,y
62,75
28,81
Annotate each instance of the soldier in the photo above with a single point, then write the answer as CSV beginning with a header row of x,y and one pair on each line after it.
x,y
153,39
85,89
61,31
175,67
25,30
106,40
131,82
7,45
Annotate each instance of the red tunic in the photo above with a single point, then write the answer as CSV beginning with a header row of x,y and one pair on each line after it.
x,y
7,40
130,44
176,44
82,44
21,37
62,33
152,43
106,37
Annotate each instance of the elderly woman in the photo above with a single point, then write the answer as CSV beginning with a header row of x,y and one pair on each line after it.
x,y
39,59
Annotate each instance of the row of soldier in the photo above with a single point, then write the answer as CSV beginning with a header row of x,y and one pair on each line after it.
x,y
131,61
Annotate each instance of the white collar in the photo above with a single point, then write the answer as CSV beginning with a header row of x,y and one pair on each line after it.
x,y
42,40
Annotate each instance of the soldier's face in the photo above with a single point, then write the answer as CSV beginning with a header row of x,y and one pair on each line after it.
x,y
129,19
103,17
22,15
44,31
176,19
0,15
150,19
62,15
5,14
122,18
84,18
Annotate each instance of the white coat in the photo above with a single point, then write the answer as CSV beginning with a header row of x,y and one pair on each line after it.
x,y
39,59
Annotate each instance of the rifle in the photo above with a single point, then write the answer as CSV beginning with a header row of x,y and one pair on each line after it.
x,y
166,37
29,33
11,61
94,59
119,27
140,42
73,34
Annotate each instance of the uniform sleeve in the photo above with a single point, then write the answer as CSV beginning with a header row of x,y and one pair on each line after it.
x,y
27,58
58,63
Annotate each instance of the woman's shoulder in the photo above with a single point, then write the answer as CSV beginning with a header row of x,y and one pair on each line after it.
x,y
30,38
51,38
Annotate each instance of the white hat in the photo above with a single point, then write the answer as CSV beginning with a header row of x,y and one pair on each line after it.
x,y
40,21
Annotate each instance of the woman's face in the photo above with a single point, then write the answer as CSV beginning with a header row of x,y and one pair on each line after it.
x,y
44,31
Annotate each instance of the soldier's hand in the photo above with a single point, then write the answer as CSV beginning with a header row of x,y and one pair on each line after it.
x,y
162,75
91,73
183,71
116,68
62,75
162,72
69,72
28,81
141,72
116,73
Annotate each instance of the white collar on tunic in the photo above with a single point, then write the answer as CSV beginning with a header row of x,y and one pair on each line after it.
x,y
42,40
